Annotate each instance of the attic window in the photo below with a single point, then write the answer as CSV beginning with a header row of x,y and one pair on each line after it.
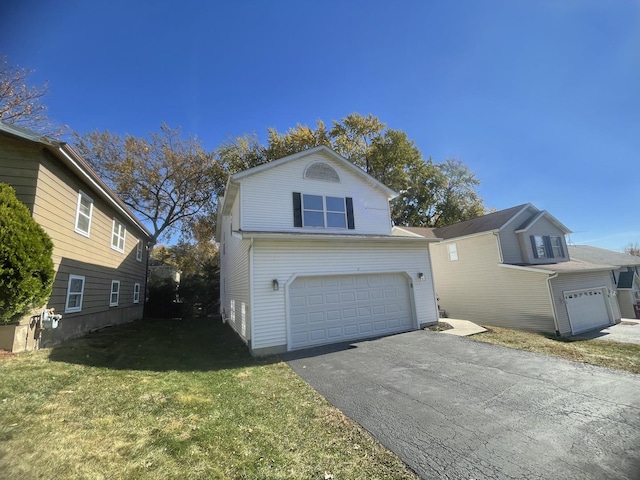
x,y
321,171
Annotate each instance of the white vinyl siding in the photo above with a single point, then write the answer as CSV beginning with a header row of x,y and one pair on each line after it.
x,y
84,211
118,234
115,293
287,260
370,205
75,293
235,284
477,288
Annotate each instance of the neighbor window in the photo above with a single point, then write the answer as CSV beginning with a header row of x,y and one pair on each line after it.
x,y
453,252
556,247
117,236
115,293
83,214
136,293
139,251
545,246
75,292
322,212
539,246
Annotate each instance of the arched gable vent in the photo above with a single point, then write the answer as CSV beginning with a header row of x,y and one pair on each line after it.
x,y
322,171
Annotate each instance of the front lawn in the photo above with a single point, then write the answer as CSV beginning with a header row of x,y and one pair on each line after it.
x,y
622,356
169,399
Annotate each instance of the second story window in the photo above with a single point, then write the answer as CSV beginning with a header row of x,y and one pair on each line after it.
x,y
322,212
545,246
83,214
452,249
539,246
118,236
139,251
556,247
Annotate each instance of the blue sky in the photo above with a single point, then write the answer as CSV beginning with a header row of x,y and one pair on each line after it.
x,y
541,99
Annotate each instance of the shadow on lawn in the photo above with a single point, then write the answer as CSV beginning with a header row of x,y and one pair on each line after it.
x,y
195,344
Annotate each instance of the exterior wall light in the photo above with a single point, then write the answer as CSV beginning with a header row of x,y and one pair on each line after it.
x,y
276,285
421,276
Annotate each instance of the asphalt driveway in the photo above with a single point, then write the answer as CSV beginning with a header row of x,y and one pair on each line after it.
x,y
454,408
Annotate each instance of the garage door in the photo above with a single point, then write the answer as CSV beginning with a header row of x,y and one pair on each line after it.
x,y
330,309
587,309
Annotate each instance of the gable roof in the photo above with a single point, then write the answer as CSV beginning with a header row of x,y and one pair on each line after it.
x,y
485,223
542,214
63,152
587,253
320,149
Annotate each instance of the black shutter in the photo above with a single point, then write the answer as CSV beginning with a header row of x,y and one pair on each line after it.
x,y
548,247
533,244
350,223
297,209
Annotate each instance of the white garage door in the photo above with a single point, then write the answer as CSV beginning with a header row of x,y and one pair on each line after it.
x,y
330,309
587,309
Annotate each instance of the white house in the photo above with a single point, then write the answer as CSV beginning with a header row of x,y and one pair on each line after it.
x,y
307,256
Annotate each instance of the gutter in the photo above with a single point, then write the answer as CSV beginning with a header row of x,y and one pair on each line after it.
x,y
553,304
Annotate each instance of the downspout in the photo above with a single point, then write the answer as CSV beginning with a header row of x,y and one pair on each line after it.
x,y
250,319
553,304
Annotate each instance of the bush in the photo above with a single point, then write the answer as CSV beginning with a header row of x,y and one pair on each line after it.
x,y
26,266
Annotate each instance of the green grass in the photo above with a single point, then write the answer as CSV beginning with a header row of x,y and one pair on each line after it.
x,y
621,356
169,399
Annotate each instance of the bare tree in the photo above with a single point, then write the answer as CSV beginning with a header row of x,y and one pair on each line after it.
x,y
633,249
20,103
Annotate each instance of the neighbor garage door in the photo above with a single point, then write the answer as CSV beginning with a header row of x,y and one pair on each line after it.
x,y
330,309
587,309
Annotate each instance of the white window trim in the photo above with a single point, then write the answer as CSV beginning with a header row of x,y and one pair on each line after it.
x,y
139,251
81,196
325,211
136,293
112,292
69,293
121,235
452,250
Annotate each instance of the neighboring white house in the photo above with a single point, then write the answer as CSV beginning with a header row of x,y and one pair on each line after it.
x,y
307,256
512,269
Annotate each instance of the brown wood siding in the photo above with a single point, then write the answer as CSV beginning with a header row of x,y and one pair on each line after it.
x,y
19,168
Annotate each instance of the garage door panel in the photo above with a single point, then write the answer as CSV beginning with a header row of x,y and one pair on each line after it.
x,y
587,309
330,309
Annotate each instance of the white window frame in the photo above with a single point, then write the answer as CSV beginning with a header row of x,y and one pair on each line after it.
x,y
139,251
452,250
83,196
116,292
118,237
136,293
78,307
556,250
325,211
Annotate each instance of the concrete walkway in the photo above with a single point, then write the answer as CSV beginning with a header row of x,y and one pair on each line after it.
x,y
462,328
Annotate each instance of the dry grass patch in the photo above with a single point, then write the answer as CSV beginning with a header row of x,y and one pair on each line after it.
x,y
621,356
173,400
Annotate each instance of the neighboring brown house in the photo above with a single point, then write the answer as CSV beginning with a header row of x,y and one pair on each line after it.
x,y
100,248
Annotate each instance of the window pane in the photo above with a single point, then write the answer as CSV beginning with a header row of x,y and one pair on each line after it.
x,y
313,219
313,202
336,220
85,207
76,285
83,223
335,204
74,301
542,252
